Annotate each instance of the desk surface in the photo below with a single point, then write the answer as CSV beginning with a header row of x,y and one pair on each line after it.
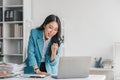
x,y
91,77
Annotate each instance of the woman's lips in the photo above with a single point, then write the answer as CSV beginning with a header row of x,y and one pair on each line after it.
x,y
49,35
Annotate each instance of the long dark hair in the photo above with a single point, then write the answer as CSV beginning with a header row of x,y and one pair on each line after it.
x,y
57,37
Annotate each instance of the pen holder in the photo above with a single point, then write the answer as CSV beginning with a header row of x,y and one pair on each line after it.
x,y
98,63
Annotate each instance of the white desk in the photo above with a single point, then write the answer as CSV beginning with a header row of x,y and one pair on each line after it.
x,y
102,71
91,77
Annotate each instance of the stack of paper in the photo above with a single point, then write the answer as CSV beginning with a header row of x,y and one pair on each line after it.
x,y
11,68
16,68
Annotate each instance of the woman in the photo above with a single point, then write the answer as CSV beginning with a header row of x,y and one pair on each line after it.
x,y
44,47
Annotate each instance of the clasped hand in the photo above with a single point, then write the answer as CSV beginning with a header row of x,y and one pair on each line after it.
x,y
54,47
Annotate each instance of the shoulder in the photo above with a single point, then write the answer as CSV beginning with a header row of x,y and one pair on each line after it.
x,y
35,31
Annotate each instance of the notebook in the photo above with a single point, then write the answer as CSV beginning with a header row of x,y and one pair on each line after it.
x,y
73,67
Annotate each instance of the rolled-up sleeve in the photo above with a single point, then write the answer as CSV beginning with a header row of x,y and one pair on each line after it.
x,y
54,62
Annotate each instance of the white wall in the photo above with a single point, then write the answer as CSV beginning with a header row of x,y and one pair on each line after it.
x,y
91,26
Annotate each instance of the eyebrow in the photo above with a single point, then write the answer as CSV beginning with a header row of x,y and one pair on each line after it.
x,y
52,26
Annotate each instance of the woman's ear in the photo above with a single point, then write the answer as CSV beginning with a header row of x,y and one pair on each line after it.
x,y
44,26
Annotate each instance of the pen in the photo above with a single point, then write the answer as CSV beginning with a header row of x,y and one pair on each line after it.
x,y
36,76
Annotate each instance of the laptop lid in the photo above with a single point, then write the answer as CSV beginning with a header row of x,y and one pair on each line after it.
x,y
74,67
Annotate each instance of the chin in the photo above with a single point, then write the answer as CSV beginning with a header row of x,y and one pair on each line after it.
x,y
47,38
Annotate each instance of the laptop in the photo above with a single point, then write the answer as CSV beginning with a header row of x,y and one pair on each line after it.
x,y
73,67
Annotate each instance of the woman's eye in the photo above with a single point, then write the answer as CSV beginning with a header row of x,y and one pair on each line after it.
x,y
50,27
56,29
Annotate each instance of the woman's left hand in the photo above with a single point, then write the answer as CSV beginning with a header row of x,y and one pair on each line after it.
x,y
54,48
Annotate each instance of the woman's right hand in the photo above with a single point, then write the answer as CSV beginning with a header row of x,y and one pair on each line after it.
x,y
41,73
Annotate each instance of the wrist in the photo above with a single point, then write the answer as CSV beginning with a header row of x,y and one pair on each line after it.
x,y
36,69
53,53
52,58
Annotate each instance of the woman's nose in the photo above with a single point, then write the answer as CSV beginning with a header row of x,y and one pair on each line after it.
x,y
51,31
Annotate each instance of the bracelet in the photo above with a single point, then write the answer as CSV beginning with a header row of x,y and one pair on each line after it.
x,y
36,69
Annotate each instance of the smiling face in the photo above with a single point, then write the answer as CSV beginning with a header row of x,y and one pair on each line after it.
x,y
50,30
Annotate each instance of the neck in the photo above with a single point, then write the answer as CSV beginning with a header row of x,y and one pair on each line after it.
x,y
45,38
